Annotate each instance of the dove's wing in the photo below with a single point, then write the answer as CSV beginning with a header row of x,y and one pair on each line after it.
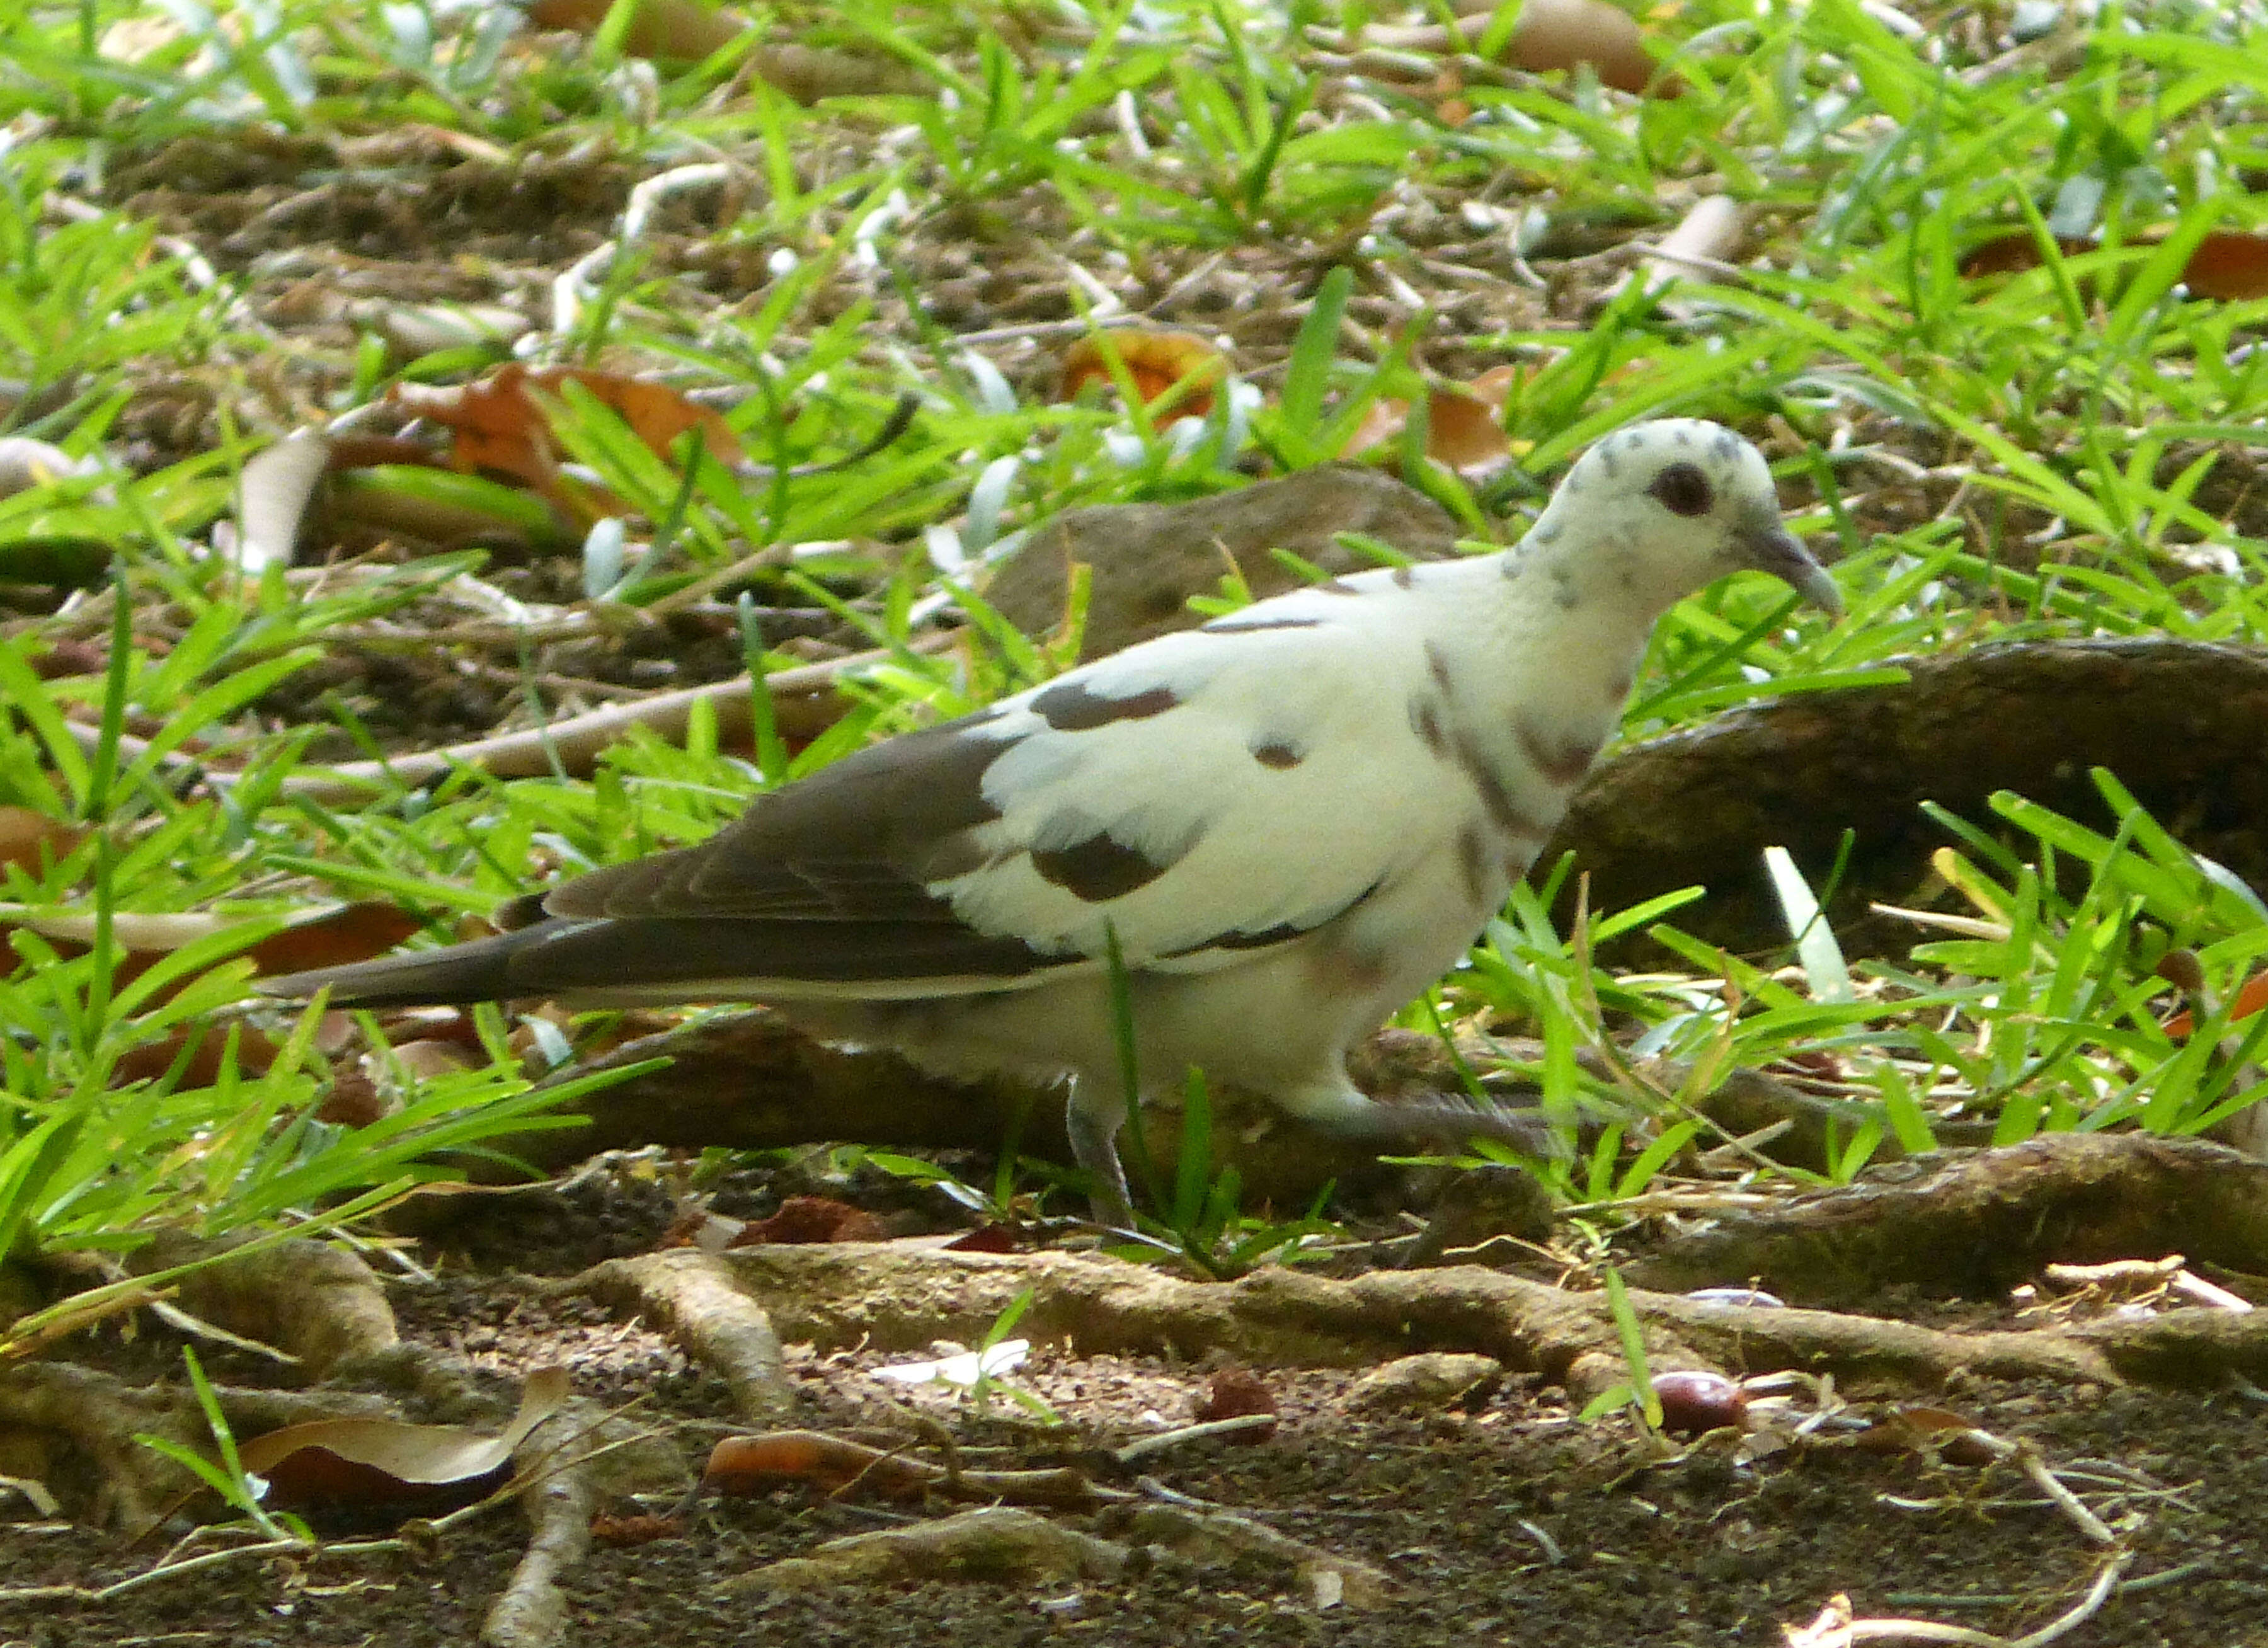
x,y
1205,796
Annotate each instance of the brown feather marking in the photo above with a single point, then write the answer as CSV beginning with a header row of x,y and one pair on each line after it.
x,y
1069,707
1277,754
1098,869
1503,811
1564,764
1426,722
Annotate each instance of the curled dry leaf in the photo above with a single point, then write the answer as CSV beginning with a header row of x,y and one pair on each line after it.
x,y
1562,33
498,427
662,28
273,497
1156,361
2228,265
1462,426
1235,1393
33,840
361,1462
623,1532
810,1218
2251,997
752,1464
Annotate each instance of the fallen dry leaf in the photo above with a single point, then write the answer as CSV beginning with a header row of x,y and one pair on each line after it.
x,y
355,1462
2251,997
1562,33
1462,426
752,1464
810,1218
662,28
1156,361
2227,265
498,427
33,840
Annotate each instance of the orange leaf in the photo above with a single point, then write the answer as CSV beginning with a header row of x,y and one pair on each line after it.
x,y
1156,361
1461,422
2228,266
498,426
31,839
810,1218
1461,431
2251,997
352,932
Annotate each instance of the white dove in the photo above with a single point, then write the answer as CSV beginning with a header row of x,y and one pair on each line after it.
x,y
1292,819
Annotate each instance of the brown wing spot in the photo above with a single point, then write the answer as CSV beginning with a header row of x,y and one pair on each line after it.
x,y
1426,722
1438,666
1503,811
1278,755
1069,707
1335,586
1098,869
1563,764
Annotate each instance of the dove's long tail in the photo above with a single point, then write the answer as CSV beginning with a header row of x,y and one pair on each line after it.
x,y
457,976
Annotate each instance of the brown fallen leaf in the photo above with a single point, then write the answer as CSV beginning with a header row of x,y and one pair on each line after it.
x,y
498,427
1562,34
2251,997
33,840
662,28
1236,1392
1462,427
360,1462
206,1052
810,1218
752,1464
1156,361
2228,265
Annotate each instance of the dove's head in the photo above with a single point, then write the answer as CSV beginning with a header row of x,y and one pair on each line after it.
x,y
1662,509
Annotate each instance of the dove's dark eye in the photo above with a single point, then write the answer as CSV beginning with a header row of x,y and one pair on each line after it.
x,y
1683,490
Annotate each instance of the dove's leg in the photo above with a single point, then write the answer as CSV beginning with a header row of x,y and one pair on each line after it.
x,y
1347,1111
1097,1110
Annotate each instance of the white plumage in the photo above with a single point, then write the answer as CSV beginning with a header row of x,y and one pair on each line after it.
x,y
1292,820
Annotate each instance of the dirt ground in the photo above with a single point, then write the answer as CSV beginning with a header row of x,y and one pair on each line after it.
x,y
1497,1518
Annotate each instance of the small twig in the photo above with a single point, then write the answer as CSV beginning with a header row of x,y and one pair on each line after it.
x,y
1142,1447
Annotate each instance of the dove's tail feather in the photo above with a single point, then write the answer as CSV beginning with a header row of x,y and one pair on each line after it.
x,y
605,963
457,976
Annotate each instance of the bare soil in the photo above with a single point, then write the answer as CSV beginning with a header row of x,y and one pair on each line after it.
x,y
1502,1520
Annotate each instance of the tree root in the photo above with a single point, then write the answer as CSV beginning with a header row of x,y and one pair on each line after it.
x,y
2172,718
1976,1221
895,1297
561,1496
315,1302
712,1318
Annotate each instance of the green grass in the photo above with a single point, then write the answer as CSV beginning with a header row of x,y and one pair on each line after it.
x,y
2052,452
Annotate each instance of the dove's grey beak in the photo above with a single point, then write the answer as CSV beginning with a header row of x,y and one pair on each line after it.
x,y
1768,547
